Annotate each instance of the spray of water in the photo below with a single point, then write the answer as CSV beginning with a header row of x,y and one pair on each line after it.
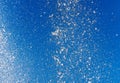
x,y
76,53
6,59
11,71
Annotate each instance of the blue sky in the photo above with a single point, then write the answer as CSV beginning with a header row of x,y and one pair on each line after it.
x,y
30,40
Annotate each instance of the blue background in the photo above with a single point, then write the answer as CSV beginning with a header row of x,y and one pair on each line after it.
x,y
30,34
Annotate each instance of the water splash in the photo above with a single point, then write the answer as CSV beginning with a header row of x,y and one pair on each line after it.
x,y
11,71
12,68
6,59
76,53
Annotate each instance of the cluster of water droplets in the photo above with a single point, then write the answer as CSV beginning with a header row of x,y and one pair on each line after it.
x,y
11,70
76,52
6,59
